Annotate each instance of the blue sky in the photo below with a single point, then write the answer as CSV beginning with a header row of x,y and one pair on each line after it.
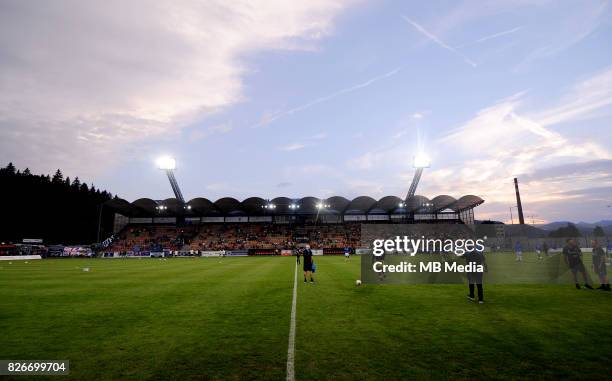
x,y
316,98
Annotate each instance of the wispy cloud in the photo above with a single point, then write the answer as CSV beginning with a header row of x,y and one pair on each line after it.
x,y
438,41
292,147
271,118
578,21
490,37
501,142
588,96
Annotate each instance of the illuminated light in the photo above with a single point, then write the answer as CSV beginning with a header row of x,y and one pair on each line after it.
x,y
166,163
421,160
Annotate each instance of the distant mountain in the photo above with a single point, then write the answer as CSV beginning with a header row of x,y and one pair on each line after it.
x,y
584,227
601,223
553,225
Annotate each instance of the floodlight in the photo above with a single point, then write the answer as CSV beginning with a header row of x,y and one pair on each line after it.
x,y
166,163
421,161
319,206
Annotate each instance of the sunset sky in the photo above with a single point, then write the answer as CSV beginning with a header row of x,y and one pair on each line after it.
x,y
316,98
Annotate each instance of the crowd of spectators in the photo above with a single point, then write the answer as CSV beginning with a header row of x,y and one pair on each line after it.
x,y
153,238
236,236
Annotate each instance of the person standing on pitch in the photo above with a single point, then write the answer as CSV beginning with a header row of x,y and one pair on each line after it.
x,y
599,265
475,277
298,253
518,250
308,264
538,250
573,258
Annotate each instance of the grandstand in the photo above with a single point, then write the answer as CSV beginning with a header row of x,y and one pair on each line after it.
x,y
260,226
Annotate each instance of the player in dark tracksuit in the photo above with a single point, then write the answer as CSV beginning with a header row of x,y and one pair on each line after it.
x,y
308,264
298,253
599,265
573,258
475,277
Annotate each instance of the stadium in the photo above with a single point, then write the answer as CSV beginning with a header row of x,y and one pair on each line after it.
x,y
270,226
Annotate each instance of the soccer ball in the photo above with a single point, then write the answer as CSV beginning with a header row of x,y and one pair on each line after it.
x,y
358,282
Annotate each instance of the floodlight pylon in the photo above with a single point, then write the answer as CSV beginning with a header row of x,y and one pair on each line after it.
x,y
174,184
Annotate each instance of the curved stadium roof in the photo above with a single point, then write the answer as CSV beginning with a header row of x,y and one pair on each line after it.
x,y
146,207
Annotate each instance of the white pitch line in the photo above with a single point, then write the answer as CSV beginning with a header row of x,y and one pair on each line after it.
x,y
291,346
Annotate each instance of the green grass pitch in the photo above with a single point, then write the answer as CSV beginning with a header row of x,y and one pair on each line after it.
x,y
228,319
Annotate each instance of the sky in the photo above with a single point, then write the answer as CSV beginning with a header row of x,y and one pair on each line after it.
x,y
316,98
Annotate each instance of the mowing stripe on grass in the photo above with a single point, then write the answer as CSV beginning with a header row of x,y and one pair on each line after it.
x,y
291,346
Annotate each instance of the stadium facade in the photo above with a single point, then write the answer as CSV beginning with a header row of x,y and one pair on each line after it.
x,y
285,210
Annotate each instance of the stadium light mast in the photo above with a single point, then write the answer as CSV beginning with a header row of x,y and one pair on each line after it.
x,y
168,164
421,161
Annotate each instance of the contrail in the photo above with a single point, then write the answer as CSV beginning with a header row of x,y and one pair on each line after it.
x,y
486,38
438,41
326,98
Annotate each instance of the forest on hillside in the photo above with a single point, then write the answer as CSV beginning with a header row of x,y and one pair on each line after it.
x,y
56,209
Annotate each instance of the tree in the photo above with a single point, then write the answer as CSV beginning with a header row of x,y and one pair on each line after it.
x,y
598,232
63,213
10,169
58,178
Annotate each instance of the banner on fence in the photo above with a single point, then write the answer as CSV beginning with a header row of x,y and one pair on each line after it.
x,y
212,253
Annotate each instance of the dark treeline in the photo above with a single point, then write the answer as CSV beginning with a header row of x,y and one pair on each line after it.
x,y
59,210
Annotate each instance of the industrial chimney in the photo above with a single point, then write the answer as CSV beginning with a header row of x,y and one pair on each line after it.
x,y
519,206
